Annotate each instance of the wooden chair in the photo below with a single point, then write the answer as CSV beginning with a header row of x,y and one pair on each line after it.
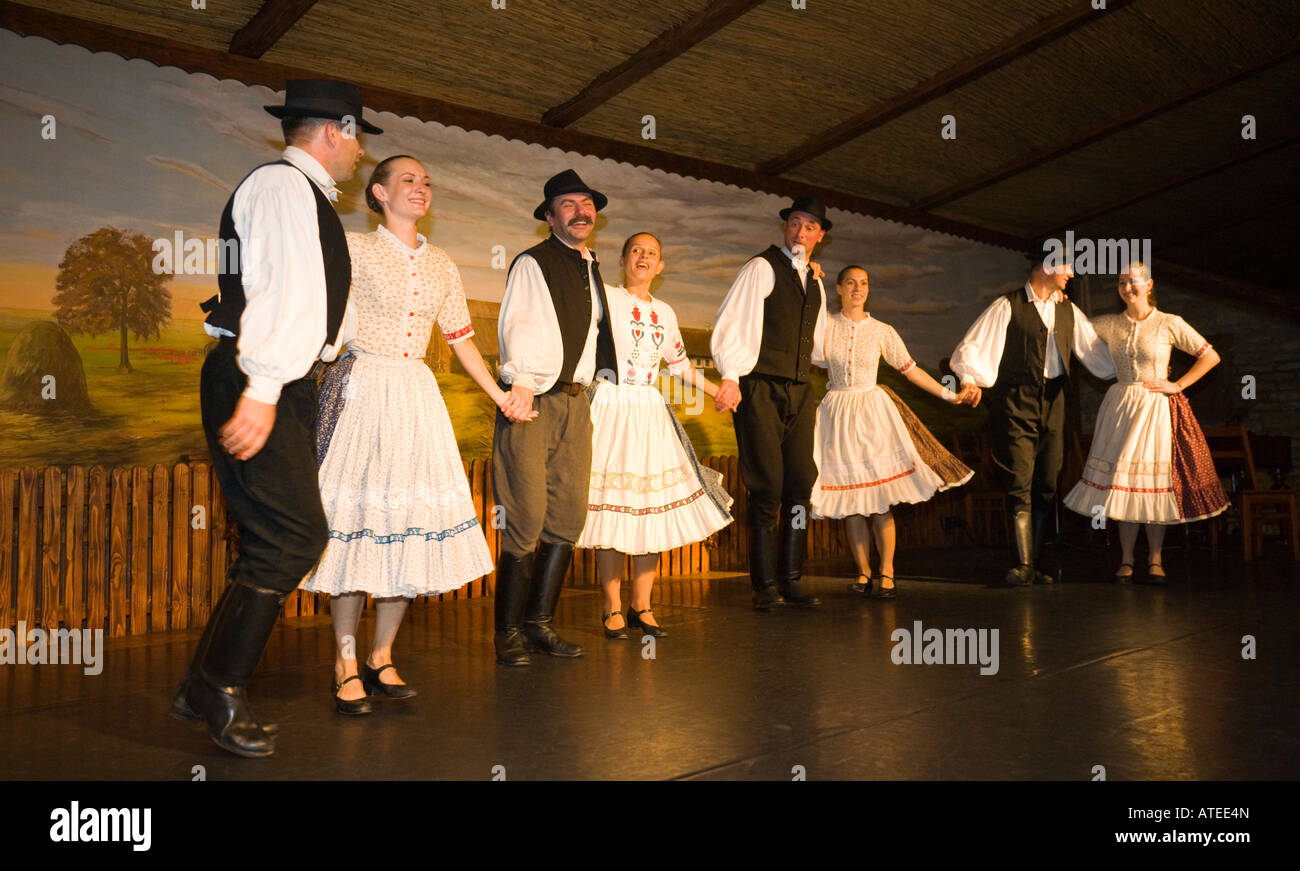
x,y
1230,448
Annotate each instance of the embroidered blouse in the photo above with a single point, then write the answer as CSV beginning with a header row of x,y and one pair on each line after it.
x,y
645,334
400,292
853,351
1141,349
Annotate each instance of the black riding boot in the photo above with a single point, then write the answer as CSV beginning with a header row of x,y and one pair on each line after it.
x,y
1023,535
762,567
794,543
552,565
231,646
1041,516
514,580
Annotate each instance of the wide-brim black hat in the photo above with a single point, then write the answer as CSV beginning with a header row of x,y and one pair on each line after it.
x,y
812,206
567,182
322,98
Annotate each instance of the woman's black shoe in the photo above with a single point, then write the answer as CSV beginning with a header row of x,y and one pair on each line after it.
x,y
620,632
375,687
879,592
859,587
351,707
634,620
1121,577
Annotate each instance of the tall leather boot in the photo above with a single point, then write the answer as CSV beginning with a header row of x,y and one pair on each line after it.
x,y
1041,516
231,646
514,580
762,567
552,565
794,543
1022,532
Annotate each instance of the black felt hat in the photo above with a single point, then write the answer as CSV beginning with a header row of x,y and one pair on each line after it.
x,y
812,206
567,182
322,98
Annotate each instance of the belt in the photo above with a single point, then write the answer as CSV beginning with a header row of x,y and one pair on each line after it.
x,y
573,388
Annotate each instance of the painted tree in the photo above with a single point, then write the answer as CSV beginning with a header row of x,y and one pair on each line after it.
x,y
106,281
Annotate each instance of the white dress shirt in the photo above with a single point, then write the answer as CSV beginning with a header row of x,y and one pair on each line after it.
x,y
528,330
738,328
282,329
977,358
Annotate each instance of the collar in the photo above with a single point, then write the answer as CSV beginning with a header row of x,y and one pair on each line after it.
x,y
584,252
388,234
800,263
311,166
1056,295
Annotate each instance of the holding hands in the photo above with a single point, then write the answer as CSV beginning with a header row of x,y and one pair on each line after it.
x,y
727,397
517,404
969,395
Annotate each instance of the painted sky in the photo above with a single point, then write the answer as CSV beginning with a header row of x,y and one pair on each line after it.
x,y
155,150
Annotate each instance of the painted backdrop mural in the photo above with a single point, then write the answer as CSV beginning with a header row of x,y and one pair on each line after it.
x,y
104,153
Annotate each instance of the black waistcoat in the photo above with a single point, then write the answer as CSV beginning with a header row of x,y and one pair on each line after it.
x,y
226,308
1025,352
565,272
789,320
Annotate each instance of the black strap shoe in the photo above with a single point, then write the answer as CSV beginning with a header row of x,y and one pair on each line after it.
x,y
620,632
634,620
376,687
351,707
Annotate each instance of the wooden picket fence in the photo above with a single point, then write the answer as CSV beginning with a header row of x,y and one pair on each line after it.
x,y
135,550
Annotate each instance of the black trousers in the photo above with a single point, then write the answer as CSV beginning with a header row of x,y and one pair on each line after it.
x,y
774,435
274,497
1027,440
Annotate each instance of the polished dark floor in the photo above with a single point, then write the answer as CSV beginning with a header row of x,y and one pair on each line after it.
x,y
1148,682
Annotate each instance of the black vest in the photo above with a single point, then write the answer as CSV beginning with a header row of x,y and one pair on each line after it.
x,y
226,308
565,272
1025,352
789,321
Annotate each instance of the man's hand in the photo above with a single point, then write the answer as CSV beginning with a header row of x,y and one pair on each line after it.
x,y
245,433
518,404
816,268
969,395
727,397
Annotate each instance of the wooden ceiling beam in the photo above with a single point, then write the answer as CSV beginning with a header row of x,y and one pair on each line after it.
x,y
161,51
266,27
966,70
1087,137
1252,151
659,51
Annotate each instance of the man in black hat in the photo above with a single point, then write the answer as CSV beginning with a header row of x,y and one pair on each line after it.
x,y
766,338
281,307
1021,347
554,338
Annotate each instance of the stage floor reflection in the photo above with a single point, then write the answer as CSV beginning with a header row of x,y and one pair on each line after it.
x,y
1146,682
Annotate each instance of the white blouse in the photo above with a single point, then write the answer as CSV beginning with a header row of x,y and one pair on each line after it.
x,y
399,293
978,356
1141,349
853,351
645,334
